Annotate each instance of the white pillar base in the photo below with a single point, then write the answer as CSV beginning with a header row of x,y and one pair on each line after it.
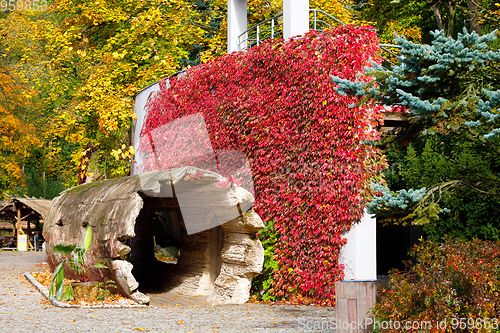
x,y
359,255
295,18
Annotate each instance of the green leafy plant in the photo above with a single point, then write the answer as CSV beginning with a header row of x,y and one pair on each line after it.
x,y
263,283
77,264
450,145
62,294
430,184
103,289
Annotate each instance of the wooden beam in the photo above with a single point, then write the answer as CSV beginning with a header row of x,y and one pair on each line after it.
x,y
396,116
26,216
19,229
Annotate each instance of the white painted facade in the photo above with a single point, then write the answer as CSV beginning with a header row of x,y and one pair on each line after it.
x,y
359,255
295,18
140,111
236,23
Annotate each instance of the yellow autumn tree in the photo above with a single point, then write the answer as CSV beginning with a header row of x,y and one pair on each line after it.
x,y
17,140
395,17
32,95
80,64
104,53
19,135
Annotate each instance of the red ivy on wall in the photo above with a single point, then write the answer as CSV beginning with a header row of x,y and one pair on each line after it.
x,y
277,103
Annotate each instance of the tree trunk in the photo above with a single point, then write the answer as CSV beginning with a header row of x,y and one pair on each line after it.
x,y
473,11
451,19
437,14
84,163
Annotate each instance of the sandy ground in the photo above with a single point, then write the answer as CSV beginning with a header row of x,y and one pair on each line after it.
x,y
24,309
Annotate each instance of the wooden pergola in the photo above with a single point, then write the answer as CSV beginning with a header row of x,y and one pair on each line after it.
x,y
24,210
393,120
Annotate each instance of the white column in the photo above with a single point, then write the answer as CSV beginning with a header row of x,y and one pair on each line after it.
x,y
295,18
359,254
236,23
140,112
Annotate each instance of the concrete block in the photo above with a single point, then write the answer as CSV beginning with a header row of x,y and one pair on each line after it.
x,y
354,301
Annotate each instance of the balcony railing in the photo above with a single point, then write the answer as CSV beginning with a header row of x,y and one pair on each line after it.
x,y
319,20
271,28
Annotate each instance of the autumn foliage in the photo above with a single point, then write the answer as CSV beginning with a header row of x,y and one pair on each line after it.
x,y
456,282
17,139
277,103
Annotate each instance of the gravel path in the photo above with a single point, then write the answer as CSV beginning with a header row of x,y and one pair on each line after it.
x,y
24,309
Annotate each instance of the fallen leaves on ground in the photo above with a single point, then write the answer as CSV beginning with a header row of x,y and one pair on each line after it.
x,y
45,277
296,300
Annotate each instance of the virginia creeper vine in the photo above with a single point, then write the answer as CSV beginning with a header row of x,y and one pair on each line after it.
x,y
311,170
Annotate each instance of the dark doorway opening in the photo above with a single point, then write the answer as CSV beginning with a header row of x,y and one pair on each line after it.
x,y
167,236
155,249
393,244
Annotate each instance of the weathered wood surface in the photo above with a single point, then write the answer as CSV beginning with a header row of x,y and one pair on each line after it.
x,y
36,208
113,209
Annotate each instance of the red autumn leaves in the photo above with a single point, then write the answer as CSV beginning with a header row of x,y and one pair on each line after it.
x,y
277,103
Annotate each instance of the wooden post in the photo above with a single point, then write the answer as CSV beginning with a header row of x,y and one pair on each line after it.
x,y
20,229
14,209
18,221
29,233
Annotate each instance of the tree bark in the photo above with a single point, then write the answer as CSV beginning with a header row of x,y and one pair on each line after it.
x,y
84,163
437,14
451,19
473,10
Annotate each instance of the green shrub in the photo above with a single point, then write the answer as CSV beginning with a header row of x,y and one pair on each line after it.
x,y
461,210
262,283
457,280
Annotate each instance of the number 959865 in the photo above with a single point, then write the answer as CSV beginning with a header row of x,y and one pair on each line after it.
x,y
23,5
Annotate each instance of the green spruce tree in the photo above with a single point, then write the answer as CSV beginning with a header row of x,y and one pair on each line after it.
x,y
450,91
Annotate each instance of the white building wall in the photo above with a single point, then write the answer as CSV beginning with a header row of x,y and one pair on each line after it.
x,y
236,23
141,111
359,255
295,18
